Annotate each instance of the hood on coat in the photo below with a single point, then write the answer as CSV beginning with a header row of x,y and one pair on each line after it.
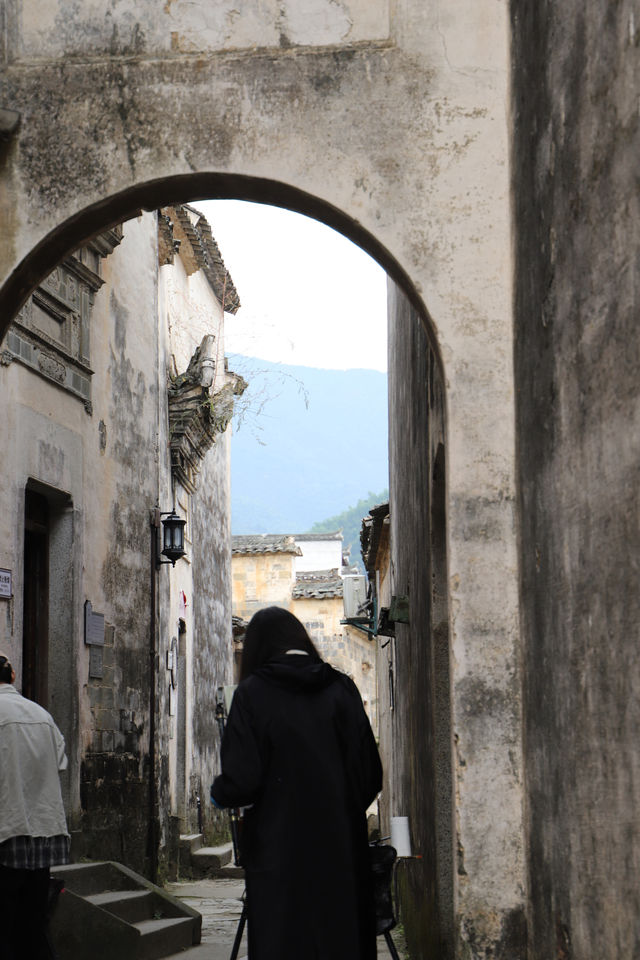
x,y
297,672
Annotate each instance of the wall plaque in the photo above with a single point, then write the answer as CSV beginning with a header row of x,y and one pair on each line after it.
x,y
96,663
93,626
6,585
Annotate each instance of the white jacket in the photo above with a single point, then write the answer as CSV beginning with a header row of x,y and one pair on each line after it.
x,y
31,753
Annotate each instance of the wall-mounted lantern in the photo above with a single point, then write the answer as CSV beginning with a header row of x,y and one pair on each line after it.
x,y
172,537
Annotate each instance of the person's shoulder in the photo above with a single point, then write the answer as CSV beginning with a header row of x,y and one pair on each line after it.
x,y
345,682
341,677
18,708
245,690
247,685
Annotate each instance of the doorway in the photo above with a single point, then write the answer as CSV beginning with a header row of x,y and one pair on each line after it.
x,y
35,630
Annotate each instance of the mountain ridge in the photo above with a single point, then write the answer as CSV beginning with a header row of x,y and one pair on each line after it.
x,y
307,443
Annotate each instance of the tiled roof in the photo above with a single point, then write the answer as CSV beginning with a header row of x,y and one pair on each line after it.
x,y
265,543
337,535
370,533
205,254
317,585
278,542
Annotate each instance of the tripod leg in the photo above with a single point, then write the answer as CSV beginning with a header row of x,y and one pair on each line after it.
x,y
239,932
391,945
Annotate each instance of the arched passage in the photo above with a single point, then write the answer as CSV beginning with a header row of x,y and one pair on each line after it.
x,y
395,115
420,410
404,136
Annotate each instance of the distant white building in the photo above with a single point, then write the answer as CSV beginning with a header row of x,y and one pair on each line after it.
x,y
319,551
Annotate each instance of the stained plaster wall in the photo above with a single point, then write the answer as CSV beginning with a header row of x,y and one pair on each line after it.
x,y
386,120
576,145
212,641
199,609
342,646
106,469
36,447
106,463
454,690
384,653
122,488
409,769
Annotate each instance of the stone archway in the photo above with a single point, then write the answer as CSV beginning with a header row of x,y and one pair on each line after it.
x,y
410,338
429,902
392,130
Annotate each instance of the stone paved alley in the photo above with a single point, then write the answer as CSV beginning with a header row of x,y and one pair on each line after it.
x,y
219,902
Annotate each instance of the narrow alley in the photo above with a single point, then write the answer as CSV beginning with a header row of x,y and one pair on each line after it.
x,y
484,153
219,902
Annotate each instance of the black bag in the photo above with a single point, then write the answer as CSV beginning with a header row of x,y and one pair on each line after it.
x,y
382,858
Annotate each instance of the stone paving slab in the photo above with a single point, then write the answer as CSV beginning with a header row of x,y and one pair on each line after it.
x,y
219,902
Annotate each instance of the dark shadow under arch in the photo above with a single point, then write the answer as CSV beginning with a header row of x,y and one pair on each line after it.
x,y
186,188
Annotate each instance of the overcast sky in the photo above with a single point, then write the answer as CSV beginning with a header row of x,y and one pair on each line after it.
x,y
309,296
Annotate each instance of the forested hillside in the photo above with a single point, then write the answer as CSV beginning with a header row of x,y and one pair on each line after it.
x,y
307,443
350,522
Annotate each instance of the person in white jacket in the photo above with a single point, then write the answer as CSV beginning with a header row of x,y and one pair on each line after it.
x,y
33,828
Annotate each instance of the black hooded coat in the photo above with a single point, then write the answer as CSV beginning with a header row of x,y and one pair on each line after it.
x,y
298,747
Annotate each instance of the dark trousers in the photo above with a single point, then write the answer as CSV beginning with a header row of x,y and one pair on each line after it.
x,y
24,899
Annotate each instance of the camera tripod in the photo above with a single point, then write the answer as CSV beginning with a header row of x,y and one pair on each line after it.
x,y
240,930
382,858
235,817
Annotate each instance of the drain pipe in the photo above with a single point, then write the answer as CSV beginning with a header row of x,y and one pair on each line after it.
x,y
152,825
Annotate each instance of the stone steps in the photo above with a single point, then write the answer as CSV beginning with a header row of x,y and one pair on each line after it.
x,y
197,862
107,911
160,938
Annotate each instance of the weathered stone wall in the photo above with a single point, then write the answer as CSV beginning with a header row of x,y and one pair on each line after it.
x,y
103,459
450,687
212,641
195,597
120,485
387,121
104,465
576,70
409,788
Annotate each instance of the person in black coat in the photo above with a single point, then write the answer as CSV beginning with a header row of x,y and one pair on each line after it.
x,y
298,750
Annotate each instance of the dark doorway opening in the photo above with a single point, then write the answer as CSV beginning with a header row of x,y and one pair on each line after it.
x,y
35,632
48,609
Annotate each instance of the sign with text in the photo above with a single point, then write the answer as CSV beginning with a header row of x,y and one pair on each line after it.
x,y
93,626
6,587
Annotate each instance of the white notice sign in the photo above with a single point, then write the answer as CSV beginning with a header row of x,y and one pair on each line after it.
x,y
5,584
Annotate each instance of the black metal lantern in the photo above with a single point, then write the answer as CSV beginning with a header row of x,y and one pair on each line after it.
x,y
172,537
